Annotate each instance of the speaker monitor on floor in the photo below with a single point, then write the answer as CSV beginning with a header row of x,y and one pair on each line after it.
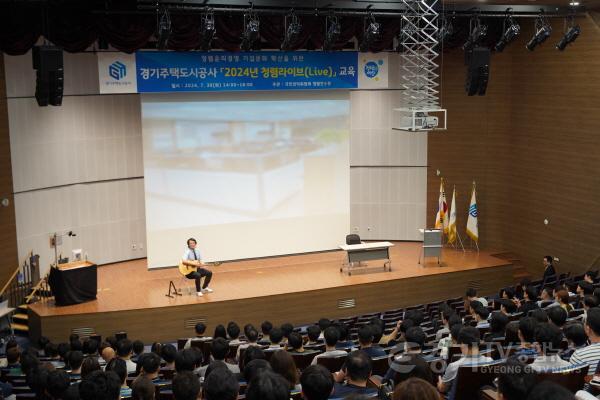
x,y
48,63
478,71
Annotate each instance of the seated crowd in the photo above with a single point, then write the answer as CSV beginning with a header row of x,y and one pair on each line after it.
x,y
423,352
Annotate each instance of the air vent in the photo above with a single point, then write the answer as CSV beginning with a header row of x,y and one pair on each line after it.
x,y
346,303
84,332
191,322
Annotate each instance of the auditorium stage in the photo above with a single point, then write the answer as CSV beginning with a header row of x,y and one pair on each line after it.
x,y
297,289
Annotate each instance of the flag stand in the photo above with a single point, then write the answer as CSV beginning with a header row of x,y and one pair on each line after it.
x,y
476,244
455,245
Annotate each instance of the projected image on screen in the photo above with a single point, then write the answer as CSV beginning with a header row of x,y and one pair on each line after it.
x,y
246,178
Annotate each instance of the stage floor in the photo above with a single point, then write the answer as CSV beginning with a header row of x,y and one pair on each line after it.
x,y
129,290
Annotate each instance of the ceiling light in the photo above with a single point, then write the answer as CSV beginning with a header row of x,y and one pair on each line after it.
x,y
572,32
371,33
292,31
510,31
333,30
542,32
251,30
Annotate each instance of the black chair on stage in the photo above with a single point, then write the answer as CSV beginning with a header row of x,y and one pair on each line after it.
x,y
353,238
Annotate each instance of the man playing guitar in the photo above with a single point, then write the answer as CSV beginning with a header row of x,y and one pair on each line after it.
x,y
191,267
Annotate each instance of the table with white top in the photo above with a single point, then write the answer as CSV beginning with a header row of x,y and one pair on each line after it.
x,y
359,253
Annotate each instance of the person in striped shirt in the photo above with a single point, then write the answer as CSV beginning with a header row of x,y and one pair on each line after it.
x,y
589,355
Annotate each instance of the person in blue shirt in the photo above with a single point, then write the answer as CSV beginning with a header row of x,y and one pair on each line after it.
x,y
365,339
354,376
119,367
191,258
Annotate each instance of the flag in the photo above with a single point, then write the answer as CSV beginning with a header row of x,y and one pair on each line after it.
x,y
452,222
472,228
441,219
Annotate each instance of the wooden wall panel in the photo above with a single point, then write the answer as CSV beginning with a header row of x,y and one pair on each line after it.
x,y
532,146
8,233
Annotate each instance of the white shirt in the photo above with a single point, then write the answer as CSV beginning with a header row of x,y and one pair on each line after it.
x,y
544,363
331,353
188,254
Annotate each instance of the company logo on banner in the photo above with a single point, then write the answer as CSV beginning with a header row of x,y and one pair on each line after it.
x,y
117,73
373,71
168,71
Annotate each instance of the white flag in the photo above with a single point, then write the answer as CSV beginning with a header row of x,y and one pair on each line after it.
x,y
452,222
472,228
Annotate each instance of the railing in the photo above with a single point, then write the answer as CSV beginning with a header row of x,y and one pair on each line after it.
x,y
25,277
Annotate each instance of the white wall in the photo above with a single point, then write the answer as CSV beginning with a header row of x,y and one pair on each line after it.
x,y
79,166
76,167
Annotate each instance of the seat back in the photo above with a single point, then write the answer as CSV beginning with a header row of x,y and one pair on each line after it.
x,y
380,365
572,378
181,343
471,378
333,364
303,360
353,238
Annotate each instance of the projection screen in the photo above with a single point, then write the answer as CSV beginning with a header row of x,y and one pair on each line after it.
x,y
246,174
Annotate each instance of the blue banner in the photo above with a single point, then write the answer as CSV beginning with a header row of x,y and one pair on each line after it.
x,y
266,70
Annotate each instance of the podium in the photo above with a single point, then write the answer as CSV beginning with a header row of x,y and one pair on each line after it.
x,y
432,244
74,282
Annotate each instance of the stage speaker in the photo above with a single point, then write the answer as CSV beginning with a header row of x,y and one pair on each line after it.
x,y
48,63
478,71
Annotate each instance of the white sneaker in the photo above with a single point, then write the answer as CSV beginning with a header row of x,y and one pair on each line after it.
x,y
199,294
207,290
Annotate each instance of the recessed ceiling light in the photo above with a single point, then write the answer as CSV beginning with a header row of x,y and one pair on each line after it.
x,y
574,3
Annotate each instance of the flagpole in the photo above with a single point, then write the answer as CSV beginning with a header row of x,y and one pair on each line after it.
x,y
470,238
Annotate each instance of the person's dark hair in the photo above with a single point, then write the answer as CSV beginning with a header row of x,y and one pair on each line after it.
x,y
74,359
29,362
590,301
548,289
415,337
512,333
168,353
407,324
453,320
539,315
142,388
185,386
221,384
455,331
191,240
73,337
155,347
508,305
220,349
313,332
415,389
332,335
358,365
587,287
42,342
343,330
252,335
475,305
532,293
365,334
469,336
471,292
276,335
525,282
12,355
252,353
119,367
283,363
200,328
187,360
100,385
516,380
483,312
498,322
124,347
57,383
557,315
548,337
89,346
220,332
254,367
89,365
233,330
10,344
593,320
324,323
527,327
150,363
510,292
138,347
266,327
549,259
576,334
295,340
417,316
377,330
592,274
51,350
287,329
317,383
548,390
268,386
214,366
63,349
76,345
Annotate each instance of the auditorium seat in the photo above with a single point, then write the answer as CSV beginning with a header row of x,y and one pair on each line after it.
x,y
303,360
181,343
572,378
470,379
333,364
380,365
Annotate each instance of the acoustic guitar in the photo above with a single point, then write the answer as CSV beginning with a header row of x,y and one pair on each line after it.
x,y
187,269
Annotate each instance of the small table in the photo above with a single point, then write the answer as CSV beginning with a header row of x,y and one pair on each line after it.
x,y
74,283
367,252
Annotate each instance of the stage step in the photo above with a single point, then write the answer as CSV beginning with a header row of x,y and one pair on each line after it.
x,y
19,328
20,317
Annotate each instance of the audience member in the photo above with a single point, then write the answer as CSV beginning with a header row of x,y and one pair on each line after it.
x,y
313,332
74,360
590,276
498,323
294,344
527,327
411,362
276,337
515,380
589,355
221,384
547,297
529,301
124,350
576,337
548,390
138,348
283,364
287,329
316,382
142,388
331,338
557,316
549,270
268,386
149,366
508,307
343,343
168,352
100,385
481,316
252,353
233,333
547,342
200,329
415,389
471,295
188,360
254,368
252,341
186,386
119,367
562,298
220,332
365,340
219,351
89,365
265,328
356,372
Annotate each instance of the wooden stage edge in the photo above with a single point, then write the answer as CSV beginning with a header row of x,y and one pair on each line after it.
x,y
298,289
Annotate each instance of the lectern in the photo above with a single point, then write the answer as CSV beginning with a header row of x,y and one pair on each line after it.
x,y
74,283
432,244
